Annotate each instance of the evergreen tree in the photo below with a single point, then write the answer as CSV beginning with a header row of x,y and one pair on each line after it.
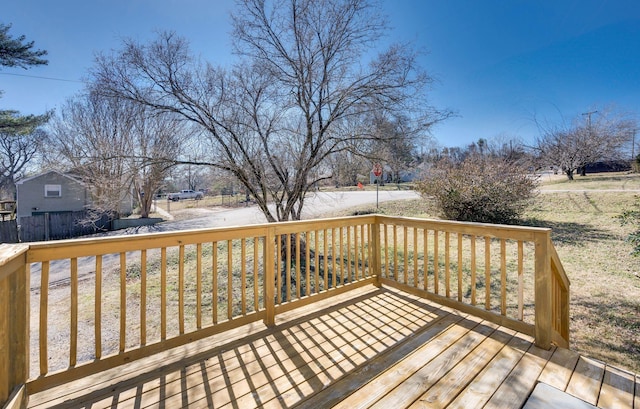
x,y
15,52
19,139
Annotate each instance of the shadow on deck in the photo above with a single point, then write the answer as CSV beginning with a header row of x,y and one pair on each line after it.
x,y
369,347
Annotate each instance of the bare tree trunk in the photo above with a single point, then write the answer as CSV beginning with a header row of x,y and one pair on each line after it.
x,y
569,173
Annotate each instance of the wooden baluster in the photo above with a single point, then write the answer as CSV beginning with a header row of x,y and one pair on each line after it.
x,y
214,281
44,308
386,251
395,253
287,268
316,285
243,274
181,262
325,264
143,297
98,308
356,261
341,255
459,267
447,271
229,279
163,293
256,300
350,278
425,259
307,240
473,270
415,258
405,255
73,332
362,251
123,301
436,263
199,285
333,258
487,272
520,280
298,276
367,245
503,277
278,271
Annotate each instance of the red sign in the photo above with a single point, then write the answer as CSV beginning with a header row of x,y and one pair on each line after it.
x,y
377,170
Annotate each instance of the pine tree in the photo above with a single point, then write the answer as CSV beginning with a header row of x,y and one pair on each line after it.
x,y
18,138
15,52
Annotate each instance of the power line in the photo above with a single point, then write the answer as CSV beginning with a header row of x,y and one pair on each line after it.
x,y
40,77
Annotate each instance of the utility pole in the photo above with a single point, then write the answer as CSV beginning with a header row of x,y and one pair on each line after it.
x,y
588,114
582,169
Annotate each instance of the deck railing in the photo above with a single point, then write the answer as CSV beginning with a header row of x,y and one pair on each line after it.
x,y
14,325
107,301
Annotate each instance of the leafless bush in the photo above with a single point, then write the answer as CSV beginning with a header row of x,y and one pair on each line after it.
x,y
479,189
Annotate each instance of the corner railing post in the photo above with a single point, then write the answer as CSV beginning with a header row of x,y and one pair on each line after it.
x,y
543,291
269,277
375,244
14,325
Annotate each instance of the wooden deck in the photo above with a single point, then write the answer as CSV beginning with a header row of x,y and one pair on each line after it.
x,y
366,348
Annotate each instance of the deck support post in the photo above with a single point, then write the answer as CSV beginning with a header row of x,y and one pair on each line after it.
x,y
269,277
14,325
376,249
543,291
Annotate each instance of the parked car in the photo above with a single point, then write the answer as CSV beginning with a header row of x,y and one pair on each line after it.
x,y
185,194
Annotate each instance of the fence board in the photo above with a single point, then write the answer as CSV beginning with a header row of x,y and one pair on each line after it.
x,y
9,231
58,226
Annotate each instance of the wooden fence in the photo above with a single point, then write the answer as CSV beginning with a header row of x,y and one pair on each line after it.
x,y
9,231
59,226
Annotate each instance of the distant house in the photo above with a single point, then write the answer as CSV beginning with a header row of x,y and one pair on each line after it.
x,y
55,192
50,192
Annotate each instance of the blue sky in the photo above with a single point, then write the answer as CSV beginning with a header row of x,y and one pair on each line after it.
x,y
498,63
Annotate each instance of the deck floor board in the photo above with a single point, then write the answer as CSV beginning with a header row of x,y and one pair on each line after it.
x,y
369,348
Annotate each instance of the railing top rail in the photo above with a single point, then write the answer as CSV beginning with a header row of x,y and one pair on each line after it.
x,y
500,231
334,222
59,249
558,268
9,253
41,251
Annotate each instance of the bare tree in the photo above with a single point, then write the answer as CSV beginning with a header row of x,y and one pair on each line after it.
x,y
156,142
574,147
347,168
274,119
116,148
396,146
17,151
91,136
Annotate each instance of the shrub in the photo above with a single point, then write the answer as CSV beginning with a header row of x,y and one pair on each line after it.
x,y
479,189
